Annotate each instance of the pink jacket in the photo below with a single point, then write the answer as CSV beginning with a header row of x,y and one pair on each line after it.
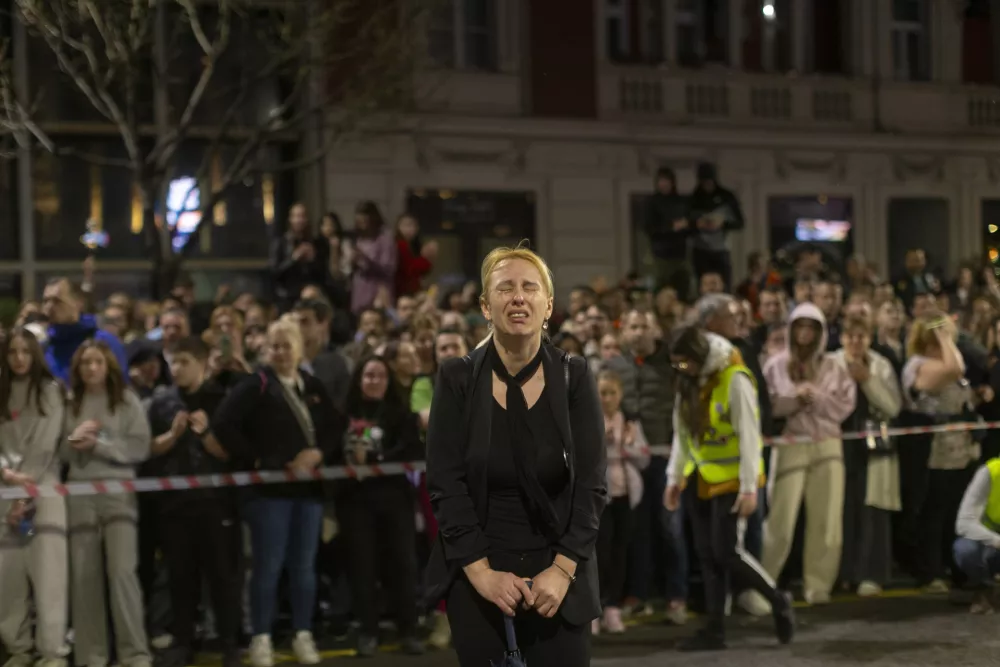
x,y
834,389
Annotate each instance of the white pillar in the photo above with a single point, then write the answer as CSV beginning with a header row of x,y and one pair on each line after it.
x,y
736,34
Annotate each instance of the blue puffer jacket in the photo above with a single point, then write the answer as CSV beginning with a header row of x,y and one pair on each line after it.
x,y
64,339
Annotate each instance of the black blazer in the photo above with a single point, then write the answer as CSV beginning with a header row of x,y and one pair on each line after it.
x,y
458,443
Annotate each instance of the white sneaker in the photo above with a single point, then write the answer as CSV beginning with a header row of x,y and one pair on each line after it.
x,y
440,637
52,662
936,587
817,597
305,648
754,603
677,613
869,589
261,651
162,642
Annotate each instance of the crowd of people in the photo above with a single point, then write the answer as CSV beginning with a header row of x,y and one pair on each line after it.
x,y
340,366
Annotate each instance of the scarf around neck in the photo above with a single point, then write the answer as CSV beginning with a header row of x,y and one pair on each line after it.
x,y
523,441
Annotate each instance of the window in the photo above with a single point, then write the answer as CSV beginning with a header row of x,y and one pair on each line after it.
x,y
910,47
616,30
68,191
463,35
777,52
702,30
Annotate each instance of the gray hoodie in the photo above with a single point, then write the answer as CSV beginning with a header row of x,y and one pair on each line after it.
x,y
29,440
123,443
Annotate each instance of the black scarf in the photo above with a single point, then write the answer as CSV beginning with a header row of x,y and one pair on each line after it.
x,y
523,442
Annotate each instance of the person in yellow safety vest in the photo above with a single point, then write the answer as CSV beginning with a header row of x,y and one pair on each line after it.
x,y
715,464
977,548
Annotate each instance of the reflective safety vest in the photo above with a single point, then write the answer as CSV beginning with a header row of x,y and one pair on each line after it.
x,y
991,517
717,455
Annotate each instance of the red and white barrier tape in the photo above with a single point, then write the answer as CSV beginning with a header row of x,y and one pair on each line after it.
x,y
191,482
861,435
256,478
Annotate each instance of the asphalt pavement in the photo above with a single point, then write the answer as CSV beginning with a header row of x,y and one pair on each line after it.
x,y
901,630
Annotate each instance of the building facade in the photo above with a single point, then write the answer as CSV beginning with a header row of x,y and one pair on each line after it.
x,y
883,113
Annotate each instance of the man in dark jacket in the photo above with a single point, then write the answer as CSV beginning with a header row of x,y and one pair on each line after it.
x,y
69,327
916,279
329,366
668,228
716,212
658,545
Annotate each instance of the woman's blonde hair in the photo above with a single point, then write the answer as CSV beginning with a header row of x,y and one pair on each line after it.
x,y
922,334
503,254
291,330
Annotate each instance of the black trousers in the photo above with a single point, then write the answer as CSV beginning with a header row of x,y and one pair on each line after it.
x,y
203,542
725,564
867,551
612,550
478,631
377,522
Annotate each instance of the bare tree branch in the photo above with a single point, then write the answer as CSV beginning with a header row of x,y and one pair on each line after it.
x,y
340,68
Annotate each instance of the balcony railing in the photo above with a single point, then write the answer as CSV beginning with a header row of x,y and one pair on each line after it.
x,y
807,102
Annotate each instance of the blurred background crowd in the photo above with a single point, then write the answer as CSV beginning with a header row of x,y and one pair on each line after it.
x,y
336,365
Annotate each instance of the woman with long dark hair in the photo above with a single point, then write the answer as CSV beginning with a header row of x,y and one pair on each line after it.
x,y
375,258
33,539
298,258
108,436
376,514
516,468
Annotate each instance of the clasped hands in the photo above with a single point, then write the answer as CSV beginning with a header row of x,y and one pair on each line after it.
x,y
508,591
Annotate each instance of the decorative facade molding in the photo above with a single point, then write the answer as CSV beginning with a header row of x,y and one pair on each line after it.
x,y
918,168
788,165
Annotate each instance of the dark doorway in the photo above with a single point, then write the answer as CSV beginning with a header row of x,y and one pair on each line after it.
x,y
468,224
918,223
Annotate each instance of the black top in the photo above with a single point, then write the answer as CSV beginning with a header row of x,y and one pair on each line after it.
x,y
459,449
259,429
510,523
188,456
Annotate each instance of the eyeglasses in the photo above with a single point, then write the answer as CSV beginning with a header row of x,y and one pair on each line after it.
x,y
681,365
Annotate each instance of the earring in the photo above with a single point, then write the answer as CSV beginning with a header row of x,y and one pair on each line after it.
x,y
545,324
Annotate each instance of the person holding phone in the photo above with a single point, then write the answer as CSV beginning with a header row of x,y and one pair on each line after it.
x,y
108,437
33,536
298,258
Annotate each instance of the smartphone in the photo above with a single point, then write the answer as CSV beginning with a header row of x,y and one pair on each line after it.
x,y
226,346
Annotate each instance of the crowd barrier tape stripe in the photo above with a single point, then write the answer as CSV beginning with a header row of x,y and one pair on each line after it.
x,y
260,477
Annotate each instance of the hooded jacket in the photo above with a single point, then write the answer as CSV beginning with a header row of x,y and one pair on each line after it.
x,y
661,212
834,390
65,339
743,416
